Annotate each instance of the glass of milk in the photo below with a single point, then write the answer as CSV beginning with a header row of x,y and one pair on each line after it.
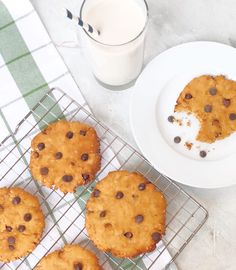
x,y
116,55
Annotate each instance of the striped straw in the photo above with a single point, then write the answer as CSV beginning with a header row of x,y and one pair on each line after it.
x,y
87,27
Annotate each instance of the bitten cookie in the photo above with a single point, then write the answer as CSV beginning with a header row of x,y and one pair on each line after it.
x,y
125,214
21,223
71,257
65,155
212,99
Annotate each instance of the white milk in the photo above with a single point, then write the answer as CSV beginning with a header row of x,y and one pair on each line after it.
x,y
117,53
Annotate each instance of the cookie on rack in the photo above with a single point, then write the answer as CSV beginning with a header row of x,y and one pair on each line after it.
x,y
21,223
212,99
71,257
65,155
125,214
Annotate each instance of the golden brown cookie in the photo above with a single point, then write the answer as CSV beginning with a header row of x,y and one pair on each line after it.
x,y
21,223
212,99
125,214
65,155
71,257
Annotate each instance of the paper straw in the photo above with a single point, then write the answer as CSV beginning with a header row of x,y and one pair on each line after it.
x,y
87,27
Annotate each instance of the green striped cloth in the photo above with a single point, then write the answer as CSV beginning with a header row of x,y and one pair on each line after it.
x,y
29,66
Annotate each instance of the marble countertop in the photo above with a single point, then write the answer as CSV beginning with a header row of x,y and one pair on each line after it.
x,y
171,23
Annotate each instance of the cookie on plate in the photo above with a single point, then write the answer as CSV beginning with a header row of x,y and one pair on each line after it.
x,y
71,257
125,214
212,99
21,223
65,155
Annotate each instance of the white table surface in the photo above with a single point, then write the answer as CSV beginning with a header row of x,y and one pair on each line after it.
x,y
171,23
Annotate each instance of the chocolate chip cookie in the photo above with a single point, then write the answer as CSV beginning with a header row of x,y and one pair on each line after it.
x,y
212,99
65,155
71,257
125,214
21,223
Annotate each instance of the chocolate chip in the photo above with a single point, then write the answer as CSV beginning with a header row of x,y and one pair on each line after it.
x,y
44,171
58,155
232,116
35,154
108,225
226,102
8,228
85,177
27,217
67,178
213,91
45,131
41,146
103,214
203,154
128,235
78,266
16,200
177,139
11,247
84,156
82,132
96,193
119,195
156,237
1,208
208,108
142,186
171,118
139,219
188,96
69,134
60,253
11,240
21,228
215,122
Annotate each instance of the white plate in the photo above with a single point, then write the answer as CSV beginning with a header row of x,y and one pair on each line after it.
x,y
153,100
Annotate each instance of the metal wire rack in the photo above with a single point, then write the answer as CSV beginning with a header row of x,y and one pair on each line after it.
x,y
64,214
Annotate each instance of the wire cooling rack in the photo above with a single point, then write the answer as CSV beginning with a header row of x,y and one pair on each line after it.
x,y
64,214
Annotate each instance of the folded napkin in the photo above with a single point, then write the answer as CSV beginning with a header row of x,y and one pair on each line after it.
x,y
29,66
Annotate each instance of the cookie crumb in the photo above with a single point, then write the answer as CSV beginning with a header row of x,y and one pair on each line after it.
x,y
179,122
188,145
173,120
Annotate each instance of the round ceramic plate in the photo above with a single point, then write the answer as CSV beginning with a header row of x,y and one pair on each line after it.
x,y
153,100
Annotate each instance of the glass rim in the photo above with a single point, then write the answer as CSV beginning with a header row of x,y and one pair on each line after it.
x,y
121,44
